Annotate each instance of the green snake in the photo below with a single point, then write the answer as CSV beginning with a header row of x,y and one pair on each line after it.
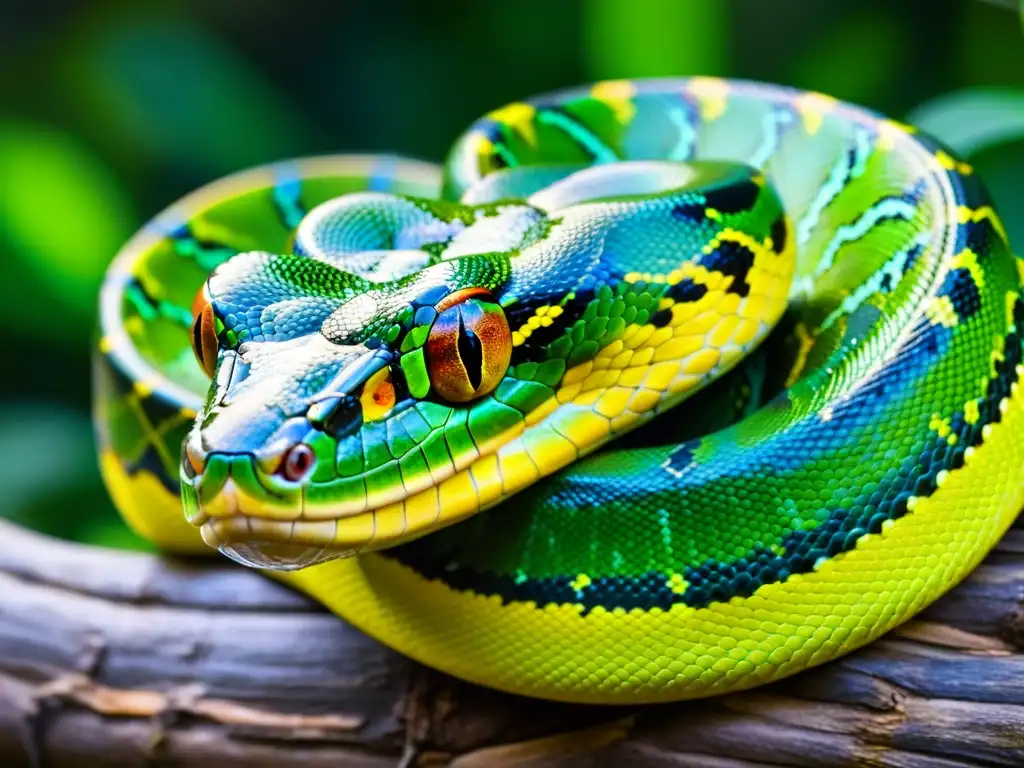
x,y
792,327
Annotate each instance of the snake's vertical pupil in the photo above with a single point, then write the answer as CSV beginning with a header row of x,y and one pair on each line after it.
x,y
468,348
471,354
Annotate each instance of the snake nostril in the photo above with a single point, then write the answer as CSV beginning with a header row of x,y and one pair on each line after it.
x,y
297,463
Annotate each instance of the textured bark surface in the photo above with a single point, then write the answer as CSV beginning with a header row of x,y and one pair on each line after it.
x,y
114,658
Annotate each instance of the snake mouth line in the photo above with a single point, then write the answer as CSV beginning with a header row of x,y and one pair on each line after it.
x,y
257,533
294,544
271,544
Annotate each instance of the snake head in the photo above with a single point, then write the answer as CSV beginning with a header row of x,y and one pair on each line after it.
x,y
319,408
415,362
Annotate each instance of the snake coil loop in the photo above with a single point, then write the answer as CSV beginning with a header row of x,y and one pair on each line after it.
x,y
734,367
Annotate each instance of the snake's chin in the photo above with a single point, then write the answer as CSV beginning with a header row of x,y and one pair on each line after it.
x,y
267,555
282,557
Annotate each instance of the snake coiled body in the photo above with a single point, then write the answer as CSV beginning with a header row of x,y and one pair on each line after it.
x,y
792,327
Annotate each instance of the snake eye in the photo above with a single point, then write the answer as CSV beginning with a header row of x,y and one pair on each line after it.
x,y
468,348
204,333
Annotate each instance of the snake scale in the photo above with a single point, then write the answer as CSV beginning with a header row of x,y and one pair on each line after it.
x,y
791,326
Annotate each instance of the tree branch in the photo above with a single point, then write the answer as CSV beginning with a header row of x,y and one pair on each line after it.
x,y
129,658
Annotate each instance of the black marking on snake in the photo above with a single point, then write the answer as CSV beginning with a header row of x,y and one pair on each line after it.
x,y
686,291
533,348
399,385
962,291
851,163
682,456
971,189
695,212
932,144
913,254
735,197
977,235
661,318
146,303
136,292
969,192
150,462
493,131
206,253
968,188
779,233
731,258
157,412
798,552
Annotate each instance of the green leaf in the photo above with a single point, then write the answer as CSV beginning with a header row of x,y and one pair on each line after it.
x,y
63,215
974,120
649,38
1010,5
852,60
156,84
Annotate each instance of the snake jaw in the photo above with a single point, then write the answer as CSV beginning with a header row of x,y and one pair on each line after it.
x,y
254,533
269,555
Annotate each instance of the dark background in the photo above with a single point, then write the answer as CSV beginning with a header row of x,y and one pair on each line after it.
x,y
111,109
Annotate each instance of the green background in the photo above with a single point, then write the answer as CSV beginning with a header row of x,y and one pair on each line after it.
x,y
112,109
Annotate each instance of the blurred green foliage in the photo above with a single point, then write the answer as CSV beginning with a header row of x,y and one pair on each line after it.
x,y
619,41
64,212
113,109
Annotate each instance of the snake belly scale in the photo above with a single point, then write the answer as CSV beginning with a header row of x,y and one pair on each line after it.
x,y
657,390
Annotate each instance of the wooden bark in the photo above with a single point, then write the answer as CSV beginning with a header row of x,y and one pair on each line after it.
x,y
115,658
